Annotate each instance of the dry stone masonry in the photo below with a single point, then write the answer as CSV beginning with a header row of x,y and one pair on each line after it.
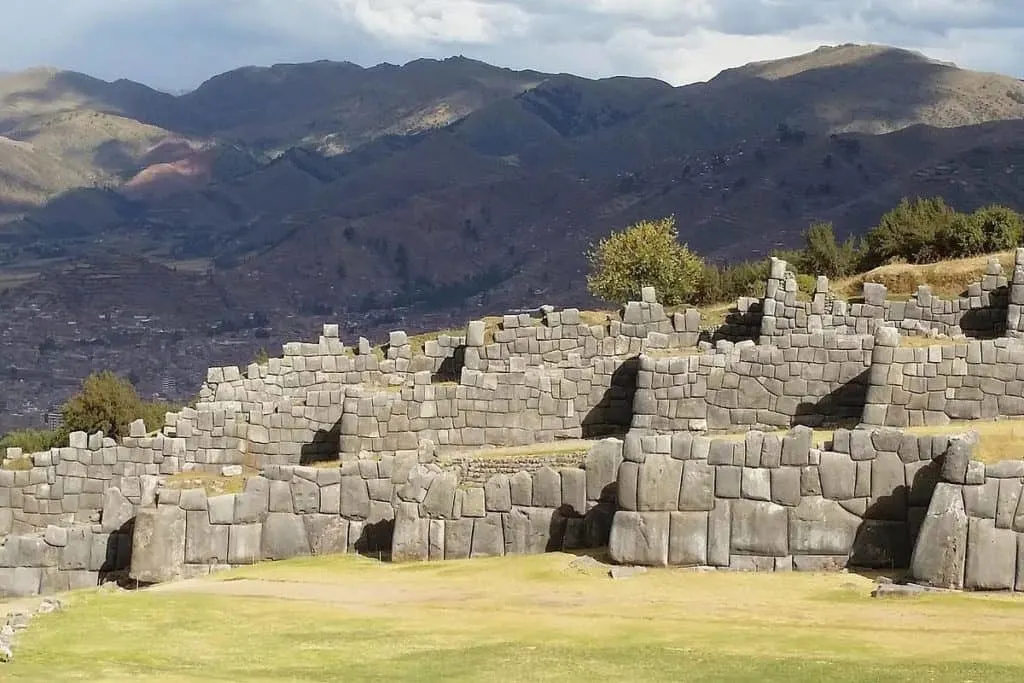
x,y
774,502
357,449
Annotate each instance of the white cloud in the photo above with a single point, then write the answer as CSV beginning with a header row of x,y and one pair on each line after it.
x,y
177,43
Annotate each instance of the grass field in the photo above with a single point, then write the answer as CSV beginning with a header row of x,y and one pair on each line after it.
x,y
519,619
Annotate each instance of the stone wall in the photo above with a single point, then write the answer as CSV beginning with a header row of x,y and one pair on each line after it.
x,y
62,558
976,379
530,380
66,486
802,378
983,312
973,534
405,507
774,502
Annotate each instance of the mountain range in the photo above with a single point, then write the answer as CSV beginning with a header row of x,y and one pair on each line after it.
x,y
269,199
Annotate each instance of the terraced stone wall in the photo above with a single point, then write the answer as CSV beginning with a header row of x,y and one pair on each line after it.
x,y
973,534
528,381
774,502
802,378
984,310
976,379
66,486
406,507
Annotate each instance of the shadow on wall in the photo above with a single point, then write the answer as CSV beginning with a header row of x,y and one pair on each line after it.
x,y
987,322
375,539
738,325
325,446
888,533
842,407
613,414
450,369
118,554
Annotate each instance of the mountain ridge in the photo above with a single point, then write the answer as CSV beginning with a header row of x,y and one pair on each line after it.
x,y
438,189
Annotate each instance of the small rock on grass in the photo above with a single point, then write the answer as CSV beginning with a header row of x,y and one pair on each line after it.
x,y
902,590
626,572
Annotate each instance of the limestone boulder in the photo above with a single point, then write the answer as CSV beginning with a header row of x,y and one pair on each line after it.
x,y
158,544
284,536
941,550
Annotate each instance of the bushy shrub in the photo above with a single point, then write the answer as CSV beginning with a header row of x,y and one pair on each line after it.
x,y
961,237
909,233
30,440
1001,227
723,283
823,254
645,254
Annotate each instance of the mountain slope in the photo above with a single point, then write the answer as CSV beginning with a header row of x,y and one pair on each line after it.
x,y
337,106
419,195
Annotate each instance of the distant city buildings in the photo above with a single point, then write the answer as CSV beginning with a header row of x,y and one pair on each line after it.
x,y
54,420
169,386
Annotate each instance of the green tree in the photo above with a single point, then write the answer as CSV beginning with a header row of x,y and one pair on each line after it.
x,y
106,402
1001,226
647,253
909,232
824,255
961,237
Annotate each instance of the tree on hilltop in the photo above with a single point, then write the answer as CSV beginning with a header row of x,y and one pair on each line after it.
x,y
647,253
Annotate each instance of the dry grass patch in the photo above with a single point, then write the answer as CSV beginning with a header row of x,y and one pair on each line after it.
x,y
714,315
17,464
916,341
535,618
214,484
997,439
569,446
947,278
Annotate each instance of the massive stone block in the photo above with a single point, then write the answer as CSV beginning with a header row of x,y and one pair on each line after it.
x,y
941,550
118,511
697,491
412,534
822,527
158,544
838,476
640,538
244,543
327,534
284,536
530,531
458,539
205,543
488,537
658,483
497,494
602,467
991,562
759,528
688,539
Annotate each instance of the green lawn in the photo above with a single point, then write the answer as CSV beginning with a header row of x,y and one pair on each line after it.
x,y
520,619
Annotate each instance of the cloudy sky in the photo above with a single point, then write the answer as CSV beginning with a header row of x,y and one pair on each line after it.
x,y
176,44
